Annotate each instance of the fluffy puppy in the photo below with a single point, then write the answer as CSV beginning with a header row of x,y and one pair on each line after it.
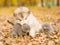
x,y
25,16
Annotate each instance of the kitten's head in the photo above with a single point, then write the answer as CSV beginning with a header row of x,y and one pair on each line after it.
x,y
21,13
47,28
26,27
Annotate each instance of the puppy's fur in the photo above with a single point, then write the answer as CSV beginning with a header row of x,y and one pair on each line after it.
x,y
35,26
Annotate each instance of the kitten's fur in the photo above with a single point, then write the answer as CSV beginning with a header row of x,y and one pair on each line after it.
x,y
19,29
47,28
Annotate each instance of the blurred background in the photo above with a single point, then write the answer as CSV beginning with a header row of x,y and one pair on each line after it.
x,y
41,3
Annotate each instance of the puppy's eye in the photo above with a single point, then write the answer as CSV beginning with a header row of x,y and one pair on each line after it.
x,y
20,14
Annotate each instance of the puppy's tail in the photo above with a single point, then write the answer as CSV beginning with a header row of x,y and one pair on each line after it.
x,y
10,22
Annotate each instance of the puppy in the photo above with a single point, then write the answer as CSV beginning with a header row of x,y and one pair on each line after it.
x,y
25,16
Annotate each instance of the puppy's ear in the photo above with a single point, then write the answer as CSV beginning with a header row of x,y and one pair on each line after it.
x,y
28,12
14,14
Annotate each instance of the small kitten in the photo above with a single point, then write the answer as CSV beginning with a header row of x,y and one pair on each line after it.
x,y
47,28
19,29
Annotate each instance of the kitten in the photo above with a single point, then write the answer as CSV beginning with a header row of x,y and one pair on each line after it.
x,y
47,28
19,29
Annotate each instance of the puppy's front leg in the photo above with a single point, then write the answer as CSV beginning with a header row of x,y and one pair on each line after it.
x,y
32,33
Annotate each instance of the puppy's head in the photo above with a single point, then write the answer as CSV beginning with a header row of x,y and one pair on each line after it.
x,y
21,13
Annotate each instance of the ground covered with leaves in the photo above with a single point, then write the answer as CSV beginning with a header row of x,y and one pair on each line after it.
x,y
51,15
